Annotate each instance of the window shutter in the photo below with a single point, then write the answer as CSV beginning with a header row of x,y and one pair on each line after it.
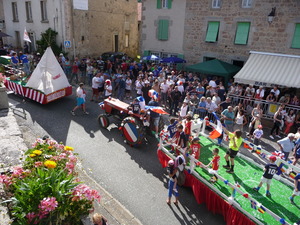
x,y
212,31
163,29
146,53
296,38
242,32
169,4
159,4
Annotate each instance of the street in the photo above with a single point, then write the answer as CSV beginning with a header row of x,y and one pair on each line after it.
x,y
133,176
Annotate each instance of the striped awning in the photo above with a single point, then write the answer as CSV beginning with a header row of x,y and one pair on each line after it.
x,y
269,69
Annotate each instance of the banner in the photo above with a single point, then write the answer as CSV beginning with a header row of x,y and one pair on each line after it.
x,y
26,36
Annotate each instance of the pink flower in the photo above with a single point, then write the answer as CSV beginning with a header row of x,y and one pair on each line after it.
x,y
17,171
55,158
30,217
72,159
47,205
83,191
70,166
4,179
38,164
62,156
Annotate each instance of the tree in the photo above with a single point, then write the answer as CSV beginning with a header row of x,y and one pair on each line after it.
x,y
48,39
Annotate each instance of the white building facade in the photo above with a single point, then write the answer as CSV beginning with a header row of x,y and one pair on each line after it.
x,y
36,16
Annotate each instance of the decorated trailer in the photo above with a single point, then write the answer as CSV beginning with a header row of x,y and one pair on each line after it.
x,y
47,82
232,195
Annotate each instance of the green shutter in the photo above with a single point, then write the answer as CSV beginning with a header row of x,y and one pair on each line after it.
x,y
212,31
242,32
296,38
146,52
169,4
163,30
159,4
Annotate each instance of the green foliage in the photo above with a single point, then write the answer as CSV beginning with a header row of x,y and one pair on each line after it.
x,y
48,39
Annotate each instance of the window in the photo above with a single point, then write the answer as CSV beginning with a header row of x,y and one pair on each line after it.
x,y
206,58
44,11
28,11
212,31
238,63
15,11
164,4
126,40
242,32
296,38
216,4
163,30
247,3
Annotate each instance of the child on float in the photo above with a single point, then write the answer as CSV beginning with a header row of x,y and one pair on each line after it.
x,y
296,191
194,148
172,128
215,165
257,135
270,169
188,126
180,139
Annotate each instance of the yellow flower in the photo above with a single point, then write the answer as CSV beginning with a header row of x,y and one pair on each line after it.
x,y
37,152
50,164
32,155
50,147
68,148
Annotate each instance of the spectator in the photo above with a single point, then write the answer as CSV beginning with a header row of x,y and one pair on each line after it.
x,y
221,91
14,60
212,82
285,99
95,86
139,86
90,73
202,108
255,120
200,90
122,87
296,150
183,110
75,69
99,219
175,98
228,116
286,145
249,92
81,94
210,107
25,63
209,92
82,69
259,93
271,97
295,100
289,121
278,119
155,117
276,92
216,99
164,87
67,67
240,120
224,105
193,103
108,88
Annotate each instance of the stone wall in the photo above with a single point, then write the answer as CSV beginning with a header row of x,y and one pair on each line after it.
x,y
94,30
273,37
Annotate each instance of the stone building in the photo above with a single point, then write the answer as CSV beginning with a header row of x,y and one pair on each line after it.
x,y
90,27
227,30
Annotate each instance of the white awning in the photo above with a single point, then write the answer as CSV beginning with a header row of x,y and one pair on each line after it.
x,y
269,69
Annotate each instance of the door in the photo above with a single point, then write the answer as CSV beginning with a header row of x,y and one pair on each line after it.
x,y
116,44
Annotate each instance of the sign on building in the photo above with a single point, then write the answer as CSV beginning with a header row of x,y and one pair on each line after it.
x,y
81,4
67,44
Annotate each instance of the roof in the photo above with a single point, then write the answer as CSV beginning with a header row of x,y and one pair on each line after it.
x,y
214,67
269,69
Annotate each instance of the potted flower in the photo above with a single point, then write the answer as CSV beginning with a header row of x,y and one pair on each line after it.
x,y
3,93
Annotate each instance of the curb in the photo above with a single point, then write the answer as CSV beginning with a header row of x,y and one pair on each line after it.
x,y
109,203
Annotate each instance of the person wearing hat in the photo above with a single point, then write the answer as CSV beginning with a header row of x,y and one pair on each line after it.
x,y
172,184
107,88
257,134
287,145
269,171
80,92
145,90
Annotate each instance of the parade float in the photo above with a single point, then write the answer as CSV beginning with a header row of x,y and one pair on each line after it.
x,y
47,82
232,195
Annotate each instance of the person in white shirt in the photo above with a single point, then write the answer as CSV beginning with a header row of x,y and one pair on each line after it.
x,y
95,87
164,87
276,92
180,86
169,81
80,92
128,87
138,86
183,110
212,82
108,88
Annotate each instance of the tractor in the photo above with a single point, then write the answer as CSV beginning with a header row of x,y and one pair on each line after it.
x,y
133,126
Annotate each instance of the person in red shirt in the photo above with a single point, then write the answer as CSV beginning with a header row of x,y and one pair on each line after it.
x,y
215,165
194,148
188,127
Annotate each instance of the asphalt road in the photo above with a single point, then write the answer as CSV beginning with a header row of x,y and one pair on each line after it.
x,y
133,176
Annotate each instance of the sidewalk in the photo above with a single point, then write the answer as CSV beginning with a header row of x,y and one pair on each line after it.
x,y
13,142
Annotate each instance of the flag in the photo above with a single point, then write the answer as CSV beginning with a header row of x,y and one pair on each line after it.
x,y
263,155
258,151
156,109
247,146
261,209
218,130
253,204
292,175
26,36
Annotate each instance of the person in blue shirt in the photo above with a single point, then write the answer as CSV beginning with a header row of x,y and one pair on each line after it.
x,y
228,116
14,60
172,128
24,60
296,191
